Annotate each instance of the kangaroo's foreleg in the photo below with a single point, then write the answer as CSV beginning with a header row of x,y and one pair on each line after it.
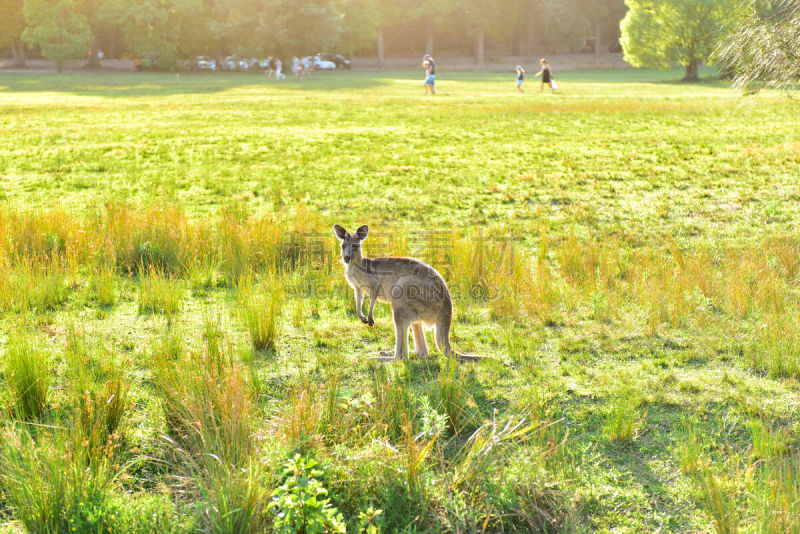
x,y
373,298
420,345
360,305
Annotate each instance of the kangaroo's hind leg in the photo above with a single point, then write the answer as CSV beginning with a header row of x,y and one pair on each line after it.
x,y
401,324
420,345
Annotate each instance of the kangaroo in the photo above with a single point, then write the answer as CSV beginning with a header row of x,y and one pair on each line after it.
x,y
417,292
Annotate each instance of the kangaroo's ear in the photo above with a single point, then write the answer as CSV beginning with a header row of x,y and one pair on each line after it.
x,y
361,233
340,232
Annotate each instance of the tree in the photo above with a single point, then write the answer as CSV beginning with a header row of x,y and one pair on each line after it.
x,y
11,26
168,29
763,48
360,21
300,27
479,17
60,32
656,33
601,16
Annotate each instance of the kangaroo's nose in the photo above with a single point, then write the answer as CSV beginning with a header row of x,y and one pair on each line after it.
x,y
347,259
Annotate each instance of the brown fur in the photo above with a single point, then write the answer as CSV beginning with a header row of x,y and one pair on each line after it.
x,y
417,292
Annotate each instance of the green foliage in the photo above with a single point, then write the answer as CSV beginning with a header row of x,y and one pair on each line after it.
x,y
760,51
55,26
624,420
27,370
658,33
452,395
300,504
160,294
261,312
235,496
593,298
169,30
11,21
58,486
101,286
360,19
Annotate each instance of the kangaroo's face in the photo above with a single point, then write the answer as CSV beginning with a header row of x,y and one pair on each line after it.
x,y
351,244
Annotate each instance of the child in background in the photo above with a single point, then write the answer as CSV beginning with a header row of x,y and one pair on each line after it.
x,y
520,78
547,76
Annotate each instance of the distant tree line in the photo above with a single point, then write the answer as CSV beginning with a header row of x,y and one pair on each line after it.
x,y
177,29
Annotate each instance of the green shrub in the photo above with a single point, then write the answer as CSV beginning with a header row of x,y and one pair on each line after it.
x,y
300,503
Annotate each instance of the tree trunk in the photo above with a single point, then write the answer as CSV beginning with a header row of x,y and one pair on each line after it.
x,y
18,49
381,56
479,49
691,71
598,38
515,40
531,32
429,37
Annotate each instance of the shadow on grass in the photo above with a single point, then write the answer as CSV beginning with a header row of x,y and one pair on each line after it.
x,y
165,84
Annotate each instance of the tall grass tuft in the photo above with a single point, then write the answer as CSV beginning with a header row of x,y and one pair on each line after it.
x,y
28,373
452,393
57,484
394,403
261,309
100,409
775,346
624,420
160,294
209,411
774,496
101,286
207,404
718,498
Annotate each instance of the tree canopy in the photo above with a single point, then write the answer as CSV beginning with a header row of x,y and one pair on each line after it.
x,y
179,29
56,27
762,51
657,33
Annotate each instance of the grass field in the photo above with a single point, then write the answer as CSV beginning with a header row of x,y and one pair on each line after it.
x,y
176,328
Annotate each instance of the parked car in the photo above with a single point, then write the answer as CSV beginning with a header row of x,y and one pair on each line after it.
x,y
337,59
204,63
252,63
317,62
234,63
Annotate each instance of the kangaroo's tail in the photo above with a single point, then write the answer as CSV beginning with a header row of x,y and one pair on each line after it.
x,y
441,335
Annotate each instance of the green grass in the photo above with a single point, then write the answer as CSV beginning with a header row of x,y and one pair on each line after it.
x,y
626,251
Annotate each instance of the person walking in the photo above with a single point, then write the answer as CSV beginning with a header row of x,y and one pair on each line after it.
x,y
278,68
296,67
430,74
520,78
270,67
547,76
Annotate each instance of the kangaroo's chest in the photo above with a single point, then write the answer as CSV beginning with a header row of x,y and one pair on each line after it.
x,y
365,278
358,278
